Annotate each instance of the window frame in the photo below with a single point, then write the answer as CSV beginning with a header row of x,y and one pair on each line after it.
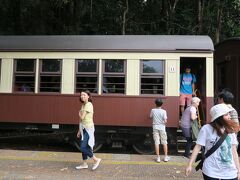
x,y
148,74
153,75
40,66
114,74
42,73
23,73
83,74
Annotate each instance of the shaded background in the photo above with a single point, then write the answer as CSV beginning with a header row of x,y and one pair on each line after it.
x,y
219,19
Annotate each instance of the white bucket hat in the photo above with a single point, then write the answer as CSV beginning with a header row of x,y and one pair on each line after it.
x,y
219,110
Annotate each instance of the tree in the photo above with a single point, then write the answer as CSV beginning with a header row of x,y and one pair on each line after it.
x,y
218,19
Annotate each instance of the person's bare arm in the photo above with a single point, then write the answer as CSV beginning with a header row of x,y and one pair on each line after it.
x,y
195,152
82,115
193,116
193,89
236,159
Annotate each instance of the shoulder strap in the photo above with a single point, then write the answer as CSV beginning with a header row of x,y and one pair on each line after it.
x,y
192,78
216,146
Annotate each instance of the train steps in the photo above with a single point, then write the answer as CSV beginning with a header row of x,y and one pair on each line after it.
x,y
181,142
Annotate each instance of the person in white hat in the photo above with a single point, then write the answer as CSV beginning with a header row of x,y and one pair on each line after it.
x,y
222,163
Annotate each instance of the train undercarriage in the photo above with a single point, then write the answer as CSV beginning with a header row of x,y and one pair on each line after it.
x,y
140,138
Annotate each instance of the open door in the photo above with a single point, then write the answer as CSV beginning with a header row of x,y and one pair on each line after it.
x,y
198,68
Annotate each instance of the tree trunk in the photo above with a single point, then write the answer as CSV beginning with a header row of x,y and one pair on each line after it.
x,y
219,18
171,16
124,19
200,16
91,9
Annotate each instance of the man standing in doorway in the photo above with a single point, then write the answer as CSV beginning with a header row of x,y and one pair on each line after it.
x,y
187,88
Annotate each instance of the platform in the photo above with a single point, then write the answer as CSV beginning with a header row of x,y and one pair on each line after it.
x,y
21,164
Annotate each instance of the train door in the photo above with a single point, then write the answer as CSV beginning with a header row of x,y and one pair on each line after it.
x,y
198,68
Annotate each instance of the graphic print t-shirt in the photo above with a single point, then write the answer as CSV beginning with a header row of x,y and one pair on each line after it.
x,y
220,164
186,84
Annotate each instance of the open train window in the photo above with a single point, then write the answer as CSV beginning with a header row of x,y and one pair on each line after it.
x,y
24,75
114,76
86,75
50,75
152,76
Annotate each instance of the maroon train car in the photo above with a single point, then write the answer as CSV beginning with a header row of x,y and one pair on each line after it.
x,y
41,77
227,65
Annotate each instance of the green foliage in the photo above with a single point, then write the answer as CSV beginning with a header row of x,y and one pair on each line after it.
x,y
219,19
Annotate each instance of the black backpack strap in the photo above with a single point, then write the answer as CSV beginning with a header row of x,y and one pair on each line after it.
x,y
203,156
181,78
216,146
192,78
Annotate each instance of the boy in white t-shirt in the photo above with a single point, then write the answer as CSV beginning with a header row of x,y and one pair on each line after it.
x,y
159,120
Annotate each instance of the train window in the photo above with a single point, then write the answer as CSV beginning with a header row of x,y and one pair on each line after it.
x,y
50,75
113,76
86,75
24,77
152,77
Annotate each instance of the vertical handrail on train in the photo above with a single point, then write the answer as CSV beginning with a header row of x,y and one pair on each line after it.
x,y
199,119
198,94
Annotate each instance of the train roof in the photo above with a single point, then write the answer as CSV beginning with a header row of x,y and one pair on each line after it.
x,y
114,43
233,39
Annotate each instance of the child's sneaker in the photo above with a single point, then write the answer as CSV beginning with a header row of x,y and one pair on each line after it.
x,y
82,166
158,160
166,159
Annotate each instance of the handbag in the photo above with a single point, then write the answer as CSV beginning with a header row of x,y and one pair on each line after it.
x,y
195,129
203,156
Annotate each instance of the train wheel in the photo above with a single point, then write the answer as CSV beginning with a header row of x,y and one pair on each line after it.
x,y
77,145
145,147
96,147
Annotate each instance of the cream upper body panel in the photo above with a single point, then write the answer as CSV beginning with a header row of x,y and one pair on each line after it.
x,y
171,70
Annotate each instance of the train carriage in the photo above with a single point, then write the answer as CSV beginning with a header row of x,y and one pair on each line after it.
x,y
227,65
41,77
